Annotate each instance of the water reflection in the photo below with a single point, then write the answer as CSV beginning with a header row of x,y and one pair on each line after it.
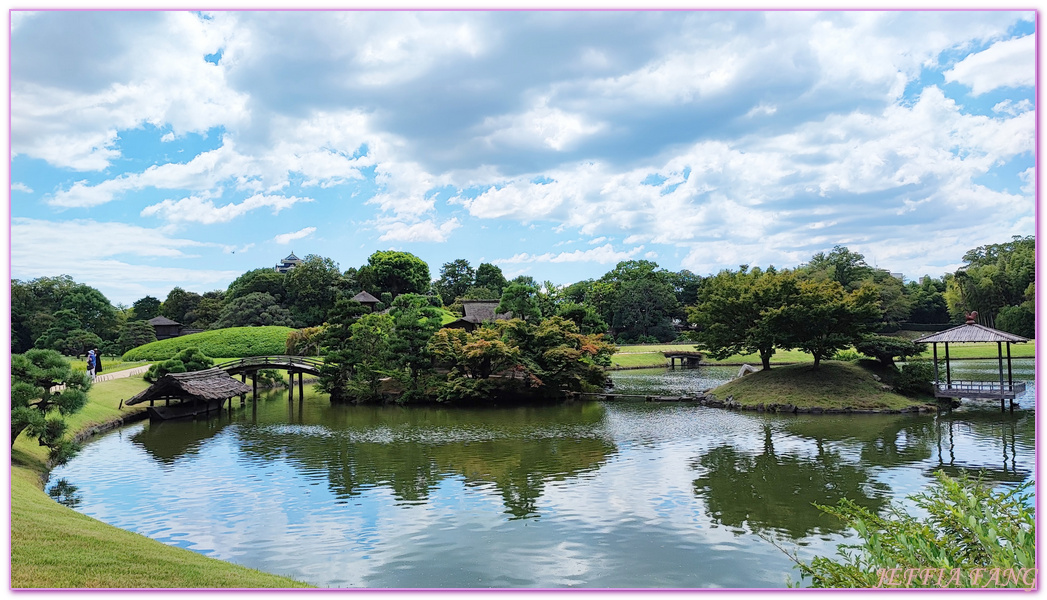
x,y
64,493
616,494
775,491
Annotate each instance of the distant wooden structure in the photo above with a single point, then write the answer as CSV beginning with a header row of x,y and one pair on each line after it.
x,y
1004,389
166,328
197,392
294,365
288,263
367,300
478,312
687,358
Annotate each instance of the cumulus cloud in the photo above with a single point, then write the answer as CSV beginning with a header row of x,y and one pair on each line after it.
x,y
1010,63
424,231
21,187
605,254
287,238
200,210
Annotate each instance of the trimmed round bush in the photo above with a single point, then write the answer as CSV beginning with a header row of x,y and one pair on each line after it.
x,y
233,342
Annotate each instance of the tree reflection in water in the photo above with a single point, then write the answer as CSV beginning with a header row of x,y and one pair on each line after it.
x,y
772,492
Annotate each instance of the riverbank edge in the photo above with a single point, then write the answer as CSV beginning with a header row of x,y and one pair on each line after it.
x,y
85,434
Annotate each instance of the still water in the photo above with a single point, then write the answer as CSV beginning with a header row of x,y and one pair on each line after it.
x,y
588,494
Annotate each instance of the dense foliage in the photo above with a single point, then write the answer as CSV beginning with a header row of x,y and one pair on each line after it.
x,y
235,342
36,410
969,530
636,301
186,361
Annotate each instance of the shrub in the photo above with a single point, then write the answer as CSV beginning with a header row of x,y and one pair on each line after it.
x,y
886,348
186,361
915,378
234,342
848,355
968,526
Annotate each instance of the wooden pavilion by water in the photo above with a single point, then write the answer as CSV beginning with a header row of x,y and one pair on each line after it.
x,y
197,392
1004,389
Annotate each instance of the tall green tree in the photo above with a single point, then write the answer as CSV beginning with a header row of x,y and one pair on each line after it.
x,y
207,311
134,334
33,304
39,412
490,277
456,277
394,272
94,310
520,300
312,289
339,357
264,280
415,321
841,265
178,303
996,276
146,308
254,309
733,309
821,317
645,308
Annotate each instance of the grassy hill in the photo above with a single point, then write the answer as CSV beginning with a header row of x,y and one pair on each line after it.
x,y
233,342
833,385
53,546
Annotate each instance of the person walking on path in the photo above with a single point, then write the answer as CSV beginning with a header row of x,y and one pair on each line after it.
x,y
98,362
91,364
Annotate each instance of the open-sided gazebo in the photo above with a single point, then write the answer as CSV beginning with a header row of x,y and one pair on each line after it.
x,y
197,392
1005,389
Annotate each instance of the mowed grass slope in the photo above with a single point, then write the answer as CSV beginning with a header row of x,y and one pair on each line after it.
x,y
651,355
53,546
235,342
832,385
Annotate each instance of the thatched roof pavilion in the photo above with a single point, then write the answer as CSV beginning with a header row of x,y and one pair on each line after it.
x,y
973,332
204,386
478,312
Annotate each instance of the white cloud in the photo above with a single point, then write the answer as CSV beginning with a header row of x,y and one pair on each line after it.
x,y
542,126
162,81
201,210
598,240
21,187
287,238
425,231
605,254
117,258
1010,63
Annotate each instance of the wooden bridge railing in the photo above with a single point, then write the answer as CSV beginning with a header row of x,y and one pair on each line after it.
x,y
298,363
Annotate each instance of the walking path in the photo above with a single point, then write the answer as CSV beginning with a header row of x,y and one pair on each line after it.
x,y
110,376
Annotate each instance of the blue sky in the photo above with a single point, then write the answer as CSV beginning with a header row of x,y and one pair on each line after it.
x,y
161,149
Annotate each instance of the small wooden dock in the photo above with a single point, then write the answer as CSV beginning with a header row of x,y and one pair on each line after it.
x,y
688,358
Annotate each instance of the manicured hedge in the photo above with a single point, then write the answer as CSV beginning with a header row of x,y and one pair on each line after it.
x,y
234,342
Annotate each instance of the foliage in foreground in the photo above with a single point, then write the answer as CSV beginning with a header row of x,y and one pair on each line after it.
x,y
234,342
38,411
972,536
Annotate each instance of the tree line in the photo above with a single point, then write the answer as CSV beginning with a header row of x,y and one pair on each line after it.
x,y
635,302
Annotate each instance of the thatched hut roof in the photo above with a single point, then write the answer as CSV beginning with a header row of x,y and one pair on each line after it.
x,y
161,321
971,332
210,384
482,311
365,298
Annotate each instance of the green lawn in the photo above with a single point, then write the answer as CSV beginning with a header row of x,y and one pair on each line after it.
x,y
833,385
651,355
53,546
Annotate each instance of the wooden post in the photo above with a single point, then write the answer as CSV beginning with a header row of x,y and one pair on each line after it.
x,y
948,374
936,377
999,356
1010,375
243,397
290,388
254,388
301,393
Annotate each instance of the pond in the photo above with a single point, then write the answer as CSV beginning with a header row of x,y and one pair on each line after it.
x,y
586,494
